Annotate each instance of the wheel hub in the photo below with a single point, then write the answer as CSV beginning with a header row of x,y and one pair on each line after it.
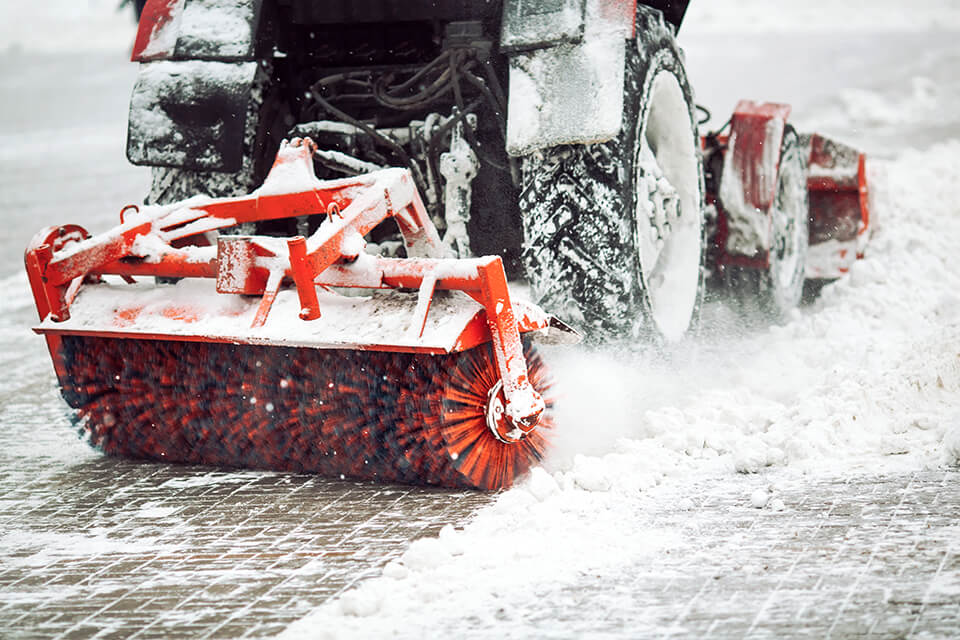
x,y
667,209
502,427
662,205
788,229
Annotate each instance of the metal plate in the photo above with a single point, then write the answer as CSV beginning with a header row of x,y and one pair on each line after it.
x,y
190,114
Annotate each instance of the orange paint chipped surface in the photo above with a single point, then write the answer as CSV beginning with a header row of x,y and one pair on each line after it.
x,y
126,317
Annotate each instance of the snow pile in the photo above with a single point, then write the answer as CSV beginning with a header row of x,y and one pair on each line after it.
x,y
868,374
867,108
866,378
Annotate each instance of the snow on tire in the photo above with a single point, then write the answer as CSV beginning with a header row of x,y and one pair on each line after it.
x,y
773,292
613,232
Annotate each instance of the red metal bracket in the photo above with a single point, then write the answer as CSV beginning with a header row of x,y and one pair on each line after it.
x,y
333,256
839,205
156,15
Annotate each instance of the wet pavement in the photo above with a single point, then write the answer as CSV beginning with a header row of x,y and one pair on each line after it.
x,y
107,548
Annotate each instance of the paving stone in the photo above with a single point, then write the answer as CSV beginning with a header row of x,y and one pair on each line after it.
x,y
100,547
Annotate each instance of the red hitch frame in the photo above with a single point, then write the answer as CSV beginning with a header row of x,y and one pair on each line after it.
x,y
60,260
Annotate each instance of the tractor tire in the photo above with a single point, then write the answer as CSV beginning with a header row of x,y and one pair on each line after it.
x,y
772,293
264,129
596,252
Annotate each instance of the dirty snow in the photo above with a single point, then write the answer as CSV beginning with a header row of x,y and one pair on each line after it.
x,y
217,29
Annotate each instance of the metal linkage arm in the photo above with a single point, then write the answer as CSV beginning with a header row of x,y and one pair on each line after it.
x,y
60,259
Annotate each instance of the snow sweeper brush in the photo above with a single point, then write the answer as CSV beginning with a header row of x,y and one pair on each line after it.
x,y
255,357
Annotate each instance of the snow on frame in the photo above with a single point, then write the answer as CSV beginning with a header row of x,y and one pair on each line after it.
x,y
868,378
192,307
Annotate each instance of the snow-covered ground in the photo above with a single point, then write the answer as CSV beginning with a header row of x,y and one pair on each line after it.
x,y
866,379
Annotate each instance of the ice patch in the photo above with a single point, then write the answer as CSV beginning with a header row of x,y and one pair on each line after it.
x,y
155,511
207,480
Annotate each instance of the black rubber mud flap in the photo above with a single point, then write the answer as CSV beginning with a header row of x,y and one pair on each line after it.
x,y
190,114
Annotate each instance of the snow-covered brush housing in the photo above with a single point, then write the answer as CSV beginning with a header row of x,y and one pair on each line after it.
x,y
444,389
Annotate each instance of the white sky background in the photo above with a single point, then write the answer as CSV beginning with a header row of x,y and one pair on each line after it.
x,y
65,25
59,25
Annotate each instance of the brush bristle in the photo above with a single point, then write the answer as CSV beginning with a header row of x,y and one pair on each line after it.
x,y
390,417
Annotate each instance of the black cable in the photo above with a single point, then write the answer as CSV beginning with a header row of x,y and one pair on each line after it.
x,y
706,115
494,81
499,113
434,92
437,80
414,169
422,71
470,134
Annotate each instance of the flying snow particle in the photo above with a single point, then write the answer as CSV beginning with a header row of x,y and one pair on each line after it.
x,y
759,498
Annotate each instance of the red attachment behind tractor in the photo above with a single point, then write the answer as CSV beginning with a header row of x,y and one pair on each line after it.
x,y
751,155
839,207
837,189
266,366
